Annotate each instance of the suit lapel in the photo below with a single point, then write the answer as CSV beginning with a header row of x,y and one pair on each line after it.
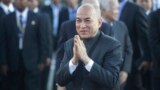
x,y
28,23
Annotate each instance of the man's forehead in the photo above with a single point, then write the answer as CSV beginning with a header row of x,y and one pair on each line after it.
x,y
84,15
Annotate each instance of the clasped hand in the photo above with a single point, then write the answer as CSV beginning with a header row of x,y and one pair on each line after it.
x,y
79,51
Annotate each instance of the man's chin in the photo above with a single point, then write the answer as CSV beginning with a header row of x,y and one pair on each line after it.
x,y
84,36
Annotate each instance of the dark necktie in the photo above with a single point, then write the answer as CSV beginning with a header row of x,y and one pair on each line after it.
x,y
20,20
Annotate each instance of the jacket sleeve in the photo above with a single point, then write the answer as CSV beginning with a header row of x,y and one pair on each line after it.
x,y
128,51
155,35
2,42
43,40
142,27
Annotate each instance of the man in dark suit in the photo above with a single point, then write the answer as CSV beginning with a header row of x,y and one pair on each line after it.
x,y
109,9
34,6
86,64
25,47
68,12
6,7
136,21
154,35
53,11
146,76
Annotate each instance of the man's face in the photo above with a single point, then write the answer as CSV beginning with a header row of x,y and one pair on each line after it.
x,y
56,1
72,2
111,12
21,4
33,4
146,4
87,23
6,1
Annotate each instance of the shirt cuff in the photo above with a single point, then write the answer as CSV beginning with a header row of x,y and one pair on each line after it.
x,y
72,67
89,65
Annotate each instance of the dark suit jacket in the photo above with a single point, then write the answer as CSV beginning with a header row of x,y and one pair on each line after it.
x,y
104,72
47,25
48,10
63,16
2,14
137,25
122,35
154,35
67,31
34,42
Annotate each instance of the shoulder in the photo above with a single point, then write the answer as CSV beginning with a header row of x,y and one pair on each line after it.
x,y
46,7
10,16
122,25
69,22
64,9
134,7
108,42
155,13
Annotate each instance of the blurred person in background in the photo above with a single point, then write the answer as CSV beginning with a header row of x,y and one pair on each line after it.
x,y
146,76
146,4
136,21
53,11
68,12
34,6
154,35
109,9
6,7
26,48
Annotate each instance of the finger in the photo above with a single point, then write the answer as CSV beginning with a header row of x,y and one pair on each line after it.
x,y
82,43
79,40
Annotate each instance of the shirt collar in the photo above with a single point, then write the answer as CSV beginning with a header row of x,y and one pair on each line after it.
x,y
24,14
7,8
36,10
148,12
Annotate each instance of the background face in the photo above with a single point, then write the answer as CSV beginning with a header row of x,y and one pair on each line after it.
x,y
146,4
56,1
6,1
111,12
21,4
72,2
87,23
33,4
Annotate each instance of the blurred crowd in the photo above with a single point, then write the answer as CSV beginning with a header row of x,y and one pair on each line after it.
x,y
33,33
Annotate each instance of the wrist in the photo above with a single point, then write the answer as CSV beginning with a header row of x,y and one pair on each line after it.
x,y
86,60
74,61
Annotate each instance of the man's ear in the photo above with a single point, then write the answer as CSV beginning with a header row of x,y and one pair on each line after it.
x,y
99,22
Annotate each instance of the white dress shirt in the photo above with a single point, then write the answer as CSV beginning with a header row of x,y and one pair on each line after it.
x,y
24,15
72,67
55,10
